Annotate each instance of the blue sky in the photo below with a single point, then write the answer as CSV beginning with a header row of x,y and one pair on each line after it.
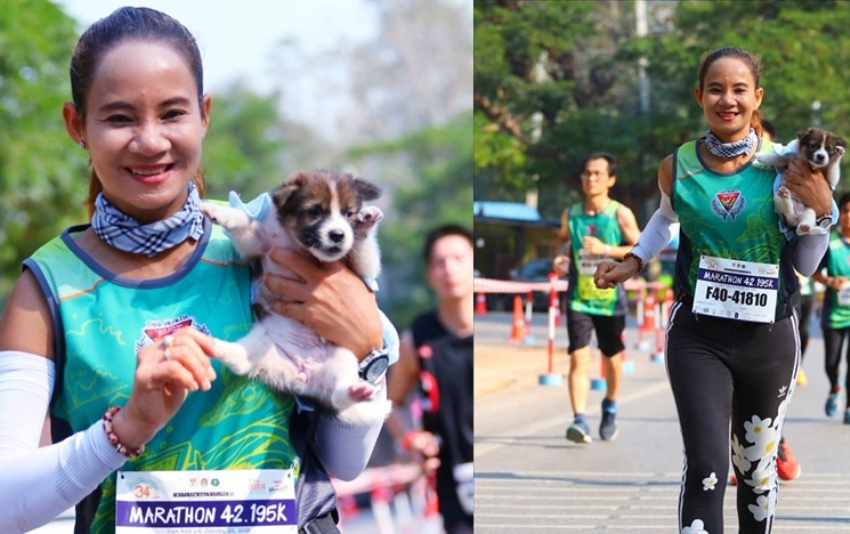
x,y
236,38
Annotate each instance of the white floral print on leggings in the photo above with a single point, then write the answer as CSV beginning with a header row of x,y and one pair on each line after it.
x,y
757,460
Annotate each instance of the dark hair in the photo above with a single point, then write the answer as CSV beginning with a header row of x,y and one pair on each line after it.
x,y
612,161
752,61
130,24
768,128
440,232
845,198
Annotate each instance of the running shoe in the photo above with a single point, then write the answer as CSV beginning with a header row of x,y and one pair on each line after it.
x,y
579,432
787,466
802,379
847,416
608,426
831,407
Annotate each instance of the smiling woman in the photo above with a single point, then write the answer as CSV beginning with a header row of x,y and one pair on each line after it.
x,y
109,327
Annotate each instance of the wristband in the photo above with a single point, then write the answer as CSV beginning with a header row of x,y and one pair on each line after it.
x,y
108,416
631,254
408,438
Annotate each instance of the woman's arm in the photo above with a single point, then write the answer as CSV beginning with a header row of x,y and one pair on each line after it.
x,y
56,477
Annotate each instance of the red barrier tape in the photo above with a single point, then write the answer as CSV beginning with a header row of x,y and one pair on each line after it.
x,y
490,285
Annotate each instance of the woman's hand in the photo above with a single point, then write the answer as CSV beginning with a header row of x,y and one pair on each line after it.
x,y
810,186
330,299
166,371
610,273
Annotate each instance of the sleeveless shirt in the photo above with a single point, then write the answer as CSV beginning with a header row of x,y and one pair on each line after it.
x,y
837,261
446,368
582,293
102,319
728,216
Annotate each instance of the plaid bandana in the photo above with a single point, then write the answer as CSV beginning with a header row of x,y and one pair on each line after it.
x,y
730,150
125,233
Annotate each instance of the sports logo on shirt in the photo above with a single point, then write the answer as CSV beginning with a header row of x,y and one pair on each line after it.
x,y
728,203
159,329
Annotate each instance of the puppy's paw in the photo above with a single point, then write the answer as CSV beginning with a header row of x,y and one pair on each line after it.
x,y
369,216
839,151
361,391
228,218
783,192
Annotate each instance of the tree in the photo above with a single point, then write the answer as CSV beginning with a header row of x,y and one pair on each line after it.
x,y
42,172
439,159
569,70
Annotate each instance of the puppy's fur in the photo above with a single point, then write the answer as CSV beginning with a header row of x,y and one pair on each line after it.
x,y
821,150
321,212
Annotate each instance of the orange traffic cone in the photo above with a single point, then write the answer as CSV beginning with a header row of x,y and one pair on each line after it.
x,y
518,330
481,304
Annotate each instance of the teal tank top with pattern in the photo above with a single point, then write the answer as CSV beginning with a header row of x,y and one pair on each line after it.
x,y
103,319
725,215
835,315
583,294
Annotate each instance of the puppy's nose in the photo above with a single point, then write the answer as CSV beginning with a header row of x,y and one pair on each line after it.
x,y
336,235
820,158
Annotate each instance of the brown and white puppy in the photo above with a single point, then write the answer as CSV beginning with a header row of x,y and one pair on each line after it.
x,y
322,212
821,150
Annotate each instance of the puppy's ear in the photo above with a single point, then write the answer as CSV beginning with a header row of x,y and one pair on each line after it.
x,y
366,190
802,134
283,193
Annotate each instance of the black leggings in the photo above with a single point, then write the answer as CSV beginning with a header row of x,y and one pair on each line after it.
x,y
804,313
722,370
833,339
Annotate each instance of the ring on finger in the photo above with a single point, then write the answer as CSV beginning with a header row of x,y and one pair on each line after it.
x,y
166,354
168,341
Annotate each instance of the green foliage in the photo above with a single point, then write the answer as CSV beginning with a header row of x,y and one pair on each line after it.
x,y
243,145
589,98
440,157
42,173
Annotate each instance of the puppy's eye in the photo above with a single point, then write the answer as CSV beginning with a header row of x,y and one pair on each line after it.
x,y
349,213
314,212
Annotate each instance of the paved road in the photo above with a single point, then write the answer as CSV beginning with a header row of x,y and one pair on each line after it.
x,y
529,479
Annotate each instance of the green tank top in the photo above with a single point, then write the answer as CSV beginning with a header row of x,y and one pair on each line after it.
x,y
583,294
837,264
724,215
102,320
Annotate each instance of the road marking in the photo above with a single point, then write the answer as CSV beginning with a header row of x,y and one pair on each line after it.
x,y
535,428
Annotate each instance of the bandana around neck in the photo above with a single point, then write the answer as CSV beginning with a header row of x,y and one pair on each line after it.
x,y
126,233
730,150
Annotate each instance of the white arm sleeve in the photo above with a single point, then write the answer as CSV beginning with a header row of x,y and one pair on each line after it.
x,y
808,253
344,448
38,484
660,229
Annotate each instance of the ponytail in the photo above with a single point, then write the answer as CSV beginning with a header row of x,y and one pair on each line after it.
x,y
756,123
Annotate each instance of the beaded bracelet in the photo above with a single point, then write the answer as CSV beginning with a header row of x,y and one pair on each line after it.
x,y
108,416
631,254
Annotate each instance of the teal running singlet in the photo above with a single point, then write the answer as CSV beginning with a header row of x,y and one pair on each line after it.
x,y
102,319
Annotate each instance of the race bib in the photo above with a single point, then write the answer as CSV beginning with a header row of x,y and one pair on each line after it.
x,y
734,289
463,475
206,502
843,295
587,264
